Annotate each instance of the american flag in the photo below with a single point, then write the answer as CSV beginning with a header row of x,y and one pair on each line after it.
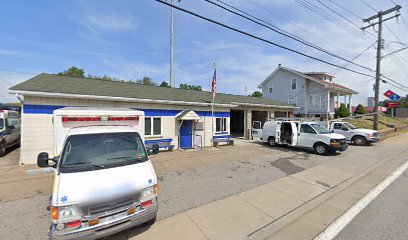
x,y
214,83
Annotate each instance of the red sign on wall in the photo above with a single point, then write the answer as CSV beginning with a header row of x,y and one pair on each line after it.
x,y
392,104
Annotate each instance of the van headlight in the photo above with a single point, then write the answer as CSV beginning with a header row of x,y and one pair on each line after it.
x,y
66,213
148,193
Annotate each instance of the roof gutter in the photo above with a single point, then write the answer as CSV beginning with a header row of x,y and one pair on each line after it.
x,y
124,99
263,105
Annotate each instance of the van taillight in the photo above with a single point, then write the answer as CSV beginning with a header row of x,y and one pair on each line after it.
x,y
96,119
80,119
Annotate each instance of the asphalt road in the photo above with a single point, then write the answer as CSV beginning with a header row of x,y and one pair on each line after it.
x,y
384,218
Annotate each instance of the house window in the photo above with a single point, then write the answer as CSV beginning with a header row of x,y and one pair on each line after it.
x,y
153,126
220,124
292,101
294,83
317,101
270,88
322,101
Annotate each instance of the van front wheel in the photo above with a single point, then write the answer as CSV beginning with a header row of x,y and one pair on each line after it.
x,y
321,149
2,149
271,142
150,222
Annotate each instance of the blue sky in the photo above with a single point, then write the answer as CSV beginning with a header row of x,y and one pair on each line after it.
x,y
130,39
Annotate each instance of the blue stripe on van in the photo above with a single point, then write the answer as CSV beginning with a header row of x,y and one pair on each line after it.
x,y
49,109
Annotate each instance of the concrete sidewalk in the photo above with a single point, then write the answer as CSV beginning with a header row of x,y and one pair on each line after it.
x,y
299,206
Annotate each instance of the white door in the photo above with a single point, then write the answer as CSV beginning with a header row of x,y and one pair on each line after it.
x,y
306,136
342,129
278,132
256,130
294,134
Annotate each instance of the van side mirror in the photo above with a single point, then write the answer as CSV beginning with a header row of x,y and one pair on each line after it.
x,y
155,148
42,160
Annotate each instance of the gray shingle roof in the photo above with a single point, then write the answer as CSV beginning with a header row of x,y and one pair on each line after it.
x,y
51,83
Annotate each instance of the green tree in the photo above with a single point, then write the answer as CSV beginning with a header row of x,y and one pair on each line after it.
x,y
164,84
73,72
360,109
343,111
190,87
146,81
256,94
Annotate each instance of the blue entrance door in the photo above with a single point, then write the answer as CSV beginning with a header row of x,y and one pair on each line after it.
x,y
186,134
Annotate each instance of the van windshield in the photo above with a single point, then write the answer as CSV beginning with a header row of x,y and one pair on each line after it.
x,y
320,129
89,152
1,123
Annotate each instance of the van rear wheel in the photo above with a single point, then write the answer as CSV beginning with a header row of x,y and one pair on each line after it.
x,y
271,142
321,149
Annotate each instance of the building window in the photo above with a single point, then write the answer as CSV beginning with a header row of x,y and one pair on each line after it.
x,y
322,101
294,83
292,101
270,88
317,101
153,126
220,124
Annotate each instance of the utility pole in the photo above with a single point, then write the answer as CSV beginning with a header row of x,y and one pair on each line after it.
x,y
380,44
172,83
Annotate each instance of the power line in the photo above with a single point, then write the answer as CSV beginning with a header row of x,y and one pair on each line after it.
x,y
338,14
259,38
393,81
345,65
368,5
280,31
332,19
345,9
302,29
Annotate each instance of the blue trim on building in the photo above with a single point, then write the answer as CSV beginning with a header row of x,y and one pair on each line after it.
x,y
40,109
49,109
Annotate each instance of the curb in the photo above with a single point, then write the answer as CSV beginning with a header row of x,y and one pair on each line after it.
x,y
333,229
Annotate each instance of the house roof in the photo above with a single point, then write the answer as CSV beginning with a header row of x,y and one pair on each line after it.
x,y
56,85
329,85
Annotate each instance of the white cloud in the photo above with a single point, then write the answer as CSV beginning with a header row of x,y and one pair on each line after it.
x,y
7,80
6,52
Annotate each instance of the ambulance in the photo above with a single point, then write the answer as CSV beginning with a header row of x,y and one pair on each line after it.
x,y
104,181
9,130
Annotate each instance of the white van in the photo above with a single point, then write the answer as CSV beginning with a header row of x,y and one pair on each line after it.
x,y
9,130
104,181
300,134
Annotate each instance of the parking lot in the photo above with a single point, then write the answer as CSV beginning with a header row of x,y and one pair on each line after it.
x,y
187,179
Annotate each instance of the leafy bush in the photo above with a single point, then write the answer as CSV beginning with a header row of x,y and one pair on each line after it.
x,y
360,110
343,111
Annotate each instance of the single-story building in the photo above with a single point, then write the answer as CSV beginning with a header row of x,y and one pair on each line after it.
x,y
170,113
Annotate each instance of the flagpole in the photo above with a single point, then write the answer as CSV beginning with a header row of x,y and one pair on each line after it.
x,y
212,114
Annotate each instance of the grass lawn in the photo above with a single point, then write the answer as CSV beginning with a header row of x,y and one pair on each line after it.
x,y
367,122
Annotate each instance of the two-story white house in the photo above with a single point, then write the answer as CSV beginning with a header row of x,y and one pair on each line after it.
x,y
313,93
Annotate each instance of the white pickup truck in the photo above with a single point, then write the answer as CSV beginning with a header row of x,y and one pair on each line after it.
x,y
358,136
300,134
9,130
104,181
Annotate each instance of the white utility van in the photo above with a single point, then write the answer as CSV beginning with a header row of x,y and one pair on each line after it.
x,y
300,134
9,130
104,181
358,136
